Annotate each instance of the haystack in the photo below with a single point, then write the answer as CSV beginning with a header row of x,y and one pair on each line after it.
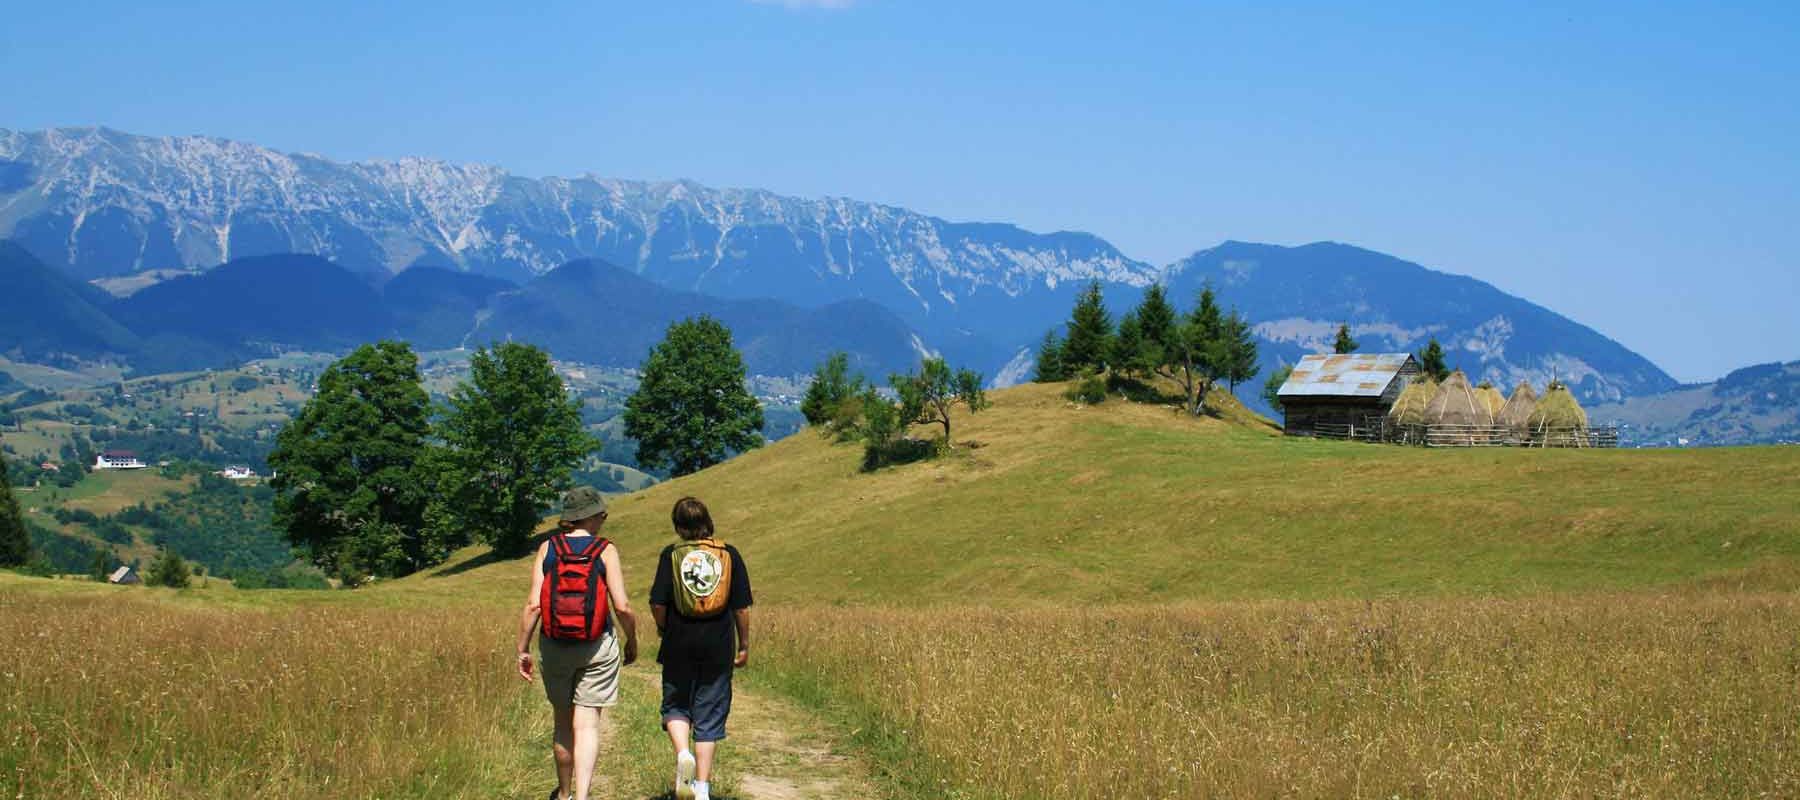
x,y
1492,398
1410,408
1455,404
1516,416
1558,420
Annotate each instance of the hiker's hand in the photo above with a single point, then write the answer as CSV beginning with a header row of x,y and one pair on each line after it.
x,y
742,660
525,666
630,652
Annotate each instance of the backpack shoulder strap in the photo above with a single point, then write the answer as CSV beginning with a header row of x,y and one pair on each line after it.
x,y
560,544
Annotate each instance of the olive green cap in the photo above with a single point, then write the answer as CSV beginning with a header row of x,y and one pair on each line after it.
x,y
582,502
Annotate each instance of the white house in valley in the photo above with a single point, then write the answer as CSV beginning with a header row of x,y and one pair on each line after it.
x,y
118,459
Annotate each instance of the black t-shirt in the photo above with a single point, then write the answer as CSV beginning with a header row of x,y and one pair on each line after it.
x,y
700,641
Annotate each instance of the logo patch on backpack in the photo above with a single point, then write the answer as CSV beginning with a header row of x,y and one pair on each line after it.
x,y
702,578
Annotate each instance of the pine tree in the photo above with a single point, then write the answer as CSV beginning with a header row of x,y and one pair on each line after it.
x,y
15,537
830,389
1050,360
1158,323
692,409
1200,350
512,437
350,486
1431,362
1344,344
1130,354
1090,333
1238,360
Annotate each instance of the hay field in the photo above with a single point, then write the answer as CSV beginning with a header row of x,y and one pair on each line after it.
x,y
225,694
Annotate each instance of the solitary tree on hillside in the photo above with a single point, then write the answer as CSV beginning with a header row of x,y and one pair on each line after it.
x,y
831,388
512,436
1431,361
927,397
1050,367
15,538
1344,345
1090,333
348,487
691,409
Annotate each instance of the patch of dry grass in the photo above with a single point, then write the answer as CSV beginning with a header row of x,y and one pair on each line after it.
x,y
1599,696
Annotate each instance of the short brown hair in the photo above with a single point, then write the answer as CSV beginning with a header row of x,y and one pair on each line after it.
x,y
692,520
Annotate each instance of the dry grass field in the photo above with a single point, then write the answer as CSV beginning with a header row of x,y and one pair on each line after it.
x,y
1601,696
1079,603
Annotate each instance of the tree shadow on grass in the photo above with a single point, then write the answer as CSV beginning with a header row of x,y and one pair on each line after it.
x,y
490,557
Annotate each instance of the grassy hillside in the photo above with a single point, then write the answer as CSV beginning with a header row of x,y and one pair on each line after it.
x,y
1047,502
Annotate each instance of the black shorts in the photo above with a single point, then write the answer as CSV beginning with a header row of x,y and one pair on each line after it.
x,y
699,694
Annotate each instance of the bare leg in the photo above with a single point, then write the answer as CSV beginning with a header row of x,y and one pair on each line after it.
x,y
564,748
587,748
703,752
678,733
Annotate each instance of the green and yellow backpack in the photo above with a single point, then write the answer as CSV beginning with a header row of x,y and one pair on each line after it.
x,y
702,570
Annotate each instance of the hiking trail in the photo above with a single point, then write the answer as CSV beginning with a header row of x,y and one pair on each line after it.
x,y
776,751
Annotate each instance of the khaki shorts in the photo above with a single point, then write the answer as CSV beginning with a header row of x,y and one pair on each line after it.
x,y
580,673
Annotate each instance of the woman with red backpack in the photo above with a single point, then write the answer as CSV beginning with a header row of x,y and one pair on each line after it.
x,y
577,590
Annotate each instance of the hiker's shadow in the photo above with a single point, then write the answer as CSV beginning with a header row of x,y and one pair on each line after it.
x,y
671,796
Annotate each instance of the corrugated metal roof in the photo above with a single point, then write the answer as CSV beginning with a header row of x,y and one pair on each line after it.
x,y
1354,375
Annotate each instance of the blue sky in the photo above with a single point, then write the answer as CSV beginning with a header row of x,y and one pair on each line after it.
x,y
1631,166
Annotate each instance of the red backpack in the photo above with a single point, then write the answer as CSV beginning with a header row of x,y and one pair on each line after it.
x,y
573,602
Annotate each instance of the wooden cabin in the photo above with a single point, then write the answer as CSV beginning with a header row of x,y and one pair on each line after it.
x,y
1331,394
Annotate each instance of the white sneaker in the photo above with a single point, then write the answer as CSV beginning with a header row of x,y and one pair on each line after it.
x,y
702,790
684,776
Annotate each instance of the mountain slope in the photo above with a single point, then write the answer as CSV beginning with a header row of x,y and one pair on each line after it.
x,y
1753,405
599,313
42,312
435,308
255,306
1297,297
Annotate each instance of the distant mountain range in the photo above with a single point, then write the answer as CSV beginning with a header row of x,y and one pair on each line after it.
x,y
97,203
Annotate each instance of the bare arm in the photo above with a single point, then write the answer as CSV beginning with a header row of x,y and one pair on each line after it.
x,y
741,620
621,602
528,618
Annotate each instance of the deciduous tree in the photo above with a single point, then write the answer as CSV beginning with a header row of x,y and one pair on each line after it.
x,y
15,538
926,397
169,569
349,484
1271,392
512,437
692,409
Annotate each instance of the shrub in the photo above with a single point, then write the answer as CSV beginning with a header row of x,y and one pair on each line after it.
x,y
1089,390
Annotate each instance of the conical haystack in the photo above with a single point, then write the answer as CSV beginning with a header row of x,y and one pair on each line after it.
x,y
1455,404
1558,420
1492,398
1516,416
1410,408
